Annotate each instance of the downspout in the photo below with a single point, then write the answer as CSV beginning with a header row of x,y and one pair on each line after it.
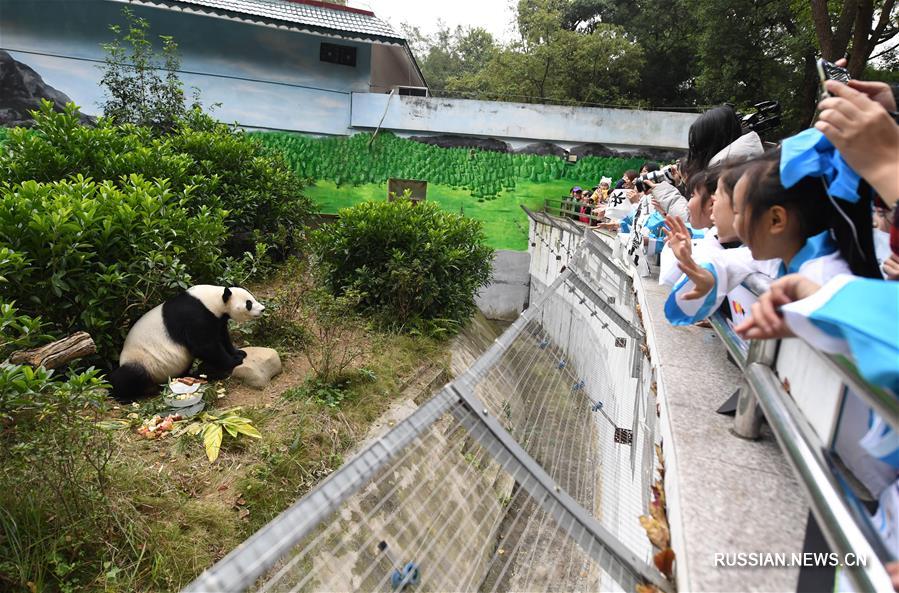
x,y
383,115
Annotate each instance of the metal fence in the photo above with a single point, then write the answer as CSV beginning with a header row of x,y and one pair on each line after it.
x,y
528,472
802,394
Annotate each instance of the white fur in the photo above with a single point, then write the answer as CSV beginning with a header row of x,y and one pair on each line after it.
x,y
149,345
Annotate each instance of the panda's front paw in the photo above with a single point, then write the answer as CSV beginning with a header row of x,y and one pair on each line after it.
x,y
241,354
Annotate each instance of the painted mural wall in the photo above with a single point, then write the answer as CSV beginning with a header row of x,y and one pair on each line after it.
x,y
262,77
519,121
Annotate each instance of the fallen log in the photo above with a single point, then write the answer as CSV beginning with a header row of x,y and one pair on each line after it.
x,y
58,353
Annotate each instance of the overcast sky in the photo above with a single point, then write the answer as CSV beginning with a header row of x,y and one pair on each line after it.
x,y
493,15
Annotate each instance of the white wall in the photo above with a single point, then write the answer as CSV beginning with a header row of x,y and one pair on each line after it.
x,y
521,121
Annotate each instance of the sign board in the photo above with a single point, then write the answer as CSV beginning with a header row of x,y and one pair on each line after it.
x,y
397,187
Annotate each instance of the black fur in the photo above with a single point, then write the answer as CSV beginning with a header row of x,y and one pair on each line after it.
x,y
188,322
131,382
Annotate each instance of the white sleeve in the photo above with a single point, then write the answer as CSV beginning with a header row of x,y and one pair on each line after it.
x,y
728,267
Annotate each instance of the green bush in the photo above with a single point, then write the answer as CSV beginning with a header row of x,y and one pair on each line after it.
x,y
224,167
95,256
412,265
56,520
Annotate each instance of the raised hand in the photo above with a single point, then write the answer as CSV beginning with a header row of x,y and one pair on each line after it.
x,y
678,237
765,321
681,243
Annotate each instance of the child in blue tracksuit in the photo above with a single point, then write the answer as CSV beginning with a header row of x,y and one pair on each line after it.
x,y
801,226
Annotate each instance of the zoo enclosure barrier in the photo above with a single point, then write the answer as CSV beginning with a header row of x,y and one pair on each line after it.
x,y
529,471
802,393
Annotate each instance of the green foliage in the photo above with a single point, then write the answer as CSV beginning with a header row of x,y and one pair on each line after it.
x,y
136,92
450,55
213,426
222,166
484,174
100,255
664,53
324,393
412,265
54,478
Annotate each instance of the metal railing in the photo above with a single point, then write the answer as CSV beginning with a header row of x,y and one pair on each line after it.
x,y
570,209
843,520
846,526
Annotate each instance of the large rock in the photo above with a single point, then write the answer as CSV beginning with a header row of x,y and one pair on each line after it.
x,y
21,91
543,149
593,149
258,368
451,141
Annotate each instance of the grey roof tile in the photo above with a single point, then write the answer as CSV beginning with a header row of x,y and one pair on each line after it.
x,y
310,15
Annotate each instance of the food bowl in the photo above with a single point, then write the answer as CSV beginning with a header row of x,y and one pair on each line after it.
x,y
183,394
184,400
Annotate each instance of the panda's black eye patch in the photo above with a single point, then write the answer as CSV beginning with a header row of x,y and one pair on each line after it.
x,y
249,305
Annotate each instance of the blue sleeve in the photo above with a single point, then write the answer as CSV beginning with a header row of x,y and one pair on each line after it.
x,y
863,314
680,311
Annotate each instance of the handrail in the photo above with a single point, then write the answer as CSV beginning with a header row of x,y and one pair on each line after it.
x,y
846,527
810,463
563,211
885,404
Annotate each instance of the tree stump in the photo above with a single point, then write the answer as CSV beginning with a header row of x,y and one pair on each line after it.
x,y
58,353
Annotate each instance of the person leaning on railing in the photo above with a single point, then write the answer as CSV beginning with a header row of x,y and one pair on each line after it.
x,y
858,317
856,120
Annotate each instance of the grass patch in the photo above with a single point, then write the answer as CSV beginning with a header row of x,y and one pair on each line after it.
x,y
505,223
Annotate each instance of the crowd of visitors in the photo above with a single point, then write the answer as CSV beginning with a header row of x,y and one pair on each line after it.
x,y
816,214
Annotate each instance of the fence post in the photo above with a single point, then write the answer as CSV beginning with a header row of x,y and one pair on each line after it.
x,y
748,420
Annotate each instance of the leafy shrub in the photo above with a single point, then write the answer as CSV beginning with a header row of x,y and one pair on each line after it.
x,y
335,337
224,167
94,256
135,91
412,265
54,512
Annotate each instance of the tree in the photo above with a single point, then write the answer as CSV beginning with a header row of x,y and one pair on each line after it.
x,y
135,92
450,55
550,62
861,25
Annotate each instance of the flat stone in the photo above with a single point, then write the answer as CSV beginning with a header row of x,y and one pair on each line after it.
x,y
258,368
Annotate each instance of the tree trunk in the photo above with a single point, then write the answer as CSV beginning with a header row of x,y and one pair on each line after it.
x,y
58,353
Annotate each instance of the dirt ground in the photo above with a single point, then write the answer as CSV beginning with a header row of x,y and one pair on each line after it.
x,y
295,369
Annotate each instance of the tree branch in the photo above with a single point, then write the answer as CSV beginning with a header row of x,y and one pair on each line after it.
x,y
844,28
821,19
56,354
882,22
860,48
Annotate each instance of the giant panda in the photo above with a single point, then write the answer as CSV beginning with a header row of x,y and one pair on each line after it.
x,y
165,342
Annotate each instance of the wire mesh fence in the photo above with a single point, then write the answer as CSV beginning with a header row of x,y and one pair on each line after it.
x,y
527,473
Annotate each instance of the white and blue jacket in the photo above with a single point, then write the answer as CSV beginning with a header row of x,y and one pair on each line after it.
x,y
857,317
819,260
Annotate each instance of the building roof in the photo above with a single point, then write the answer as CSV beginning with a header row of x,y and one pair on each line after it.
x,y
307,15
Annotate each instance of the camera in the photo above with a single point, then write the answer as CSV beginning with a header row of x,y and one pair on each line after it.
x,y
766,115
663,174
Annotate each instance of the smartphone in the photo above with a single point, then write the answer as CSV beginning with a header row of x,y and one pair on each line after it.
x,y
828,71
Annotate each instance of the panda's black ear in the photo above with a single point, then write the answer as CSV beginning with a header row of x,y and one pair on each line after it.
x,y
226,295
